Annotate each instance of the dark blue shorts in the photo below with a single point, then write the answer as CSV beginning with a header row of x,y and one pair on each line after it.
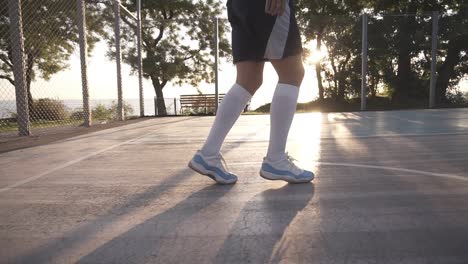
x,y
258,36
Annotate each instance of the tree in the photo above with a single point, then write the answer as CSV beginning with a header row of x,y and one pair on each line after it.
x,y
408,39
177,40
453,49
335,25
50,34
399,46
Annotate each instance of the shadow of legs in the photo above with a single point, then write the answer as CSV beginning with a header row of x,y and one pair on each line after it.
x,y
262,223
143,241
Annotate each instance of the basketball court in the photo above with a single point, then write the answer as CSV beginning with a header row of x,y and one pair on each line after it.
x,y
390,187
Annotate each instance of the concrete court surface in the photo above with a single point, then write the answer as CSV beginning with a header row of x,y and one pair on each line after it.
x,y
391,187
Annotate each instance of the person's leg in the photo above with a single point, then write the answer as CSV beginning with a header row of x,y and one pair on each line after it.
x,y
283,106
249,79
207,161
277,165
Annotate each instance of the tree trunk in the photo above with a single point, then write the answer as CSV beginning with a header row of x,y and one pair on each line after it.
x,y
318,68
341,76
404,56
447,69
341,86
374,85
404,64
29,76
158,89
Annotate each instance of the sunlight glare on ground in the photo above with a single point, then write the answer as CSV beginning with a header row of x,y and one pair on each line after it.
x,y
306,135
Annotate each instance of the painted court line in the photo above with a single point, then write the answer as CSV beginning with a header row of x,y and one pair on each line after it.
x,y
407,120
442,175
67,164
177,140
405,135
339,164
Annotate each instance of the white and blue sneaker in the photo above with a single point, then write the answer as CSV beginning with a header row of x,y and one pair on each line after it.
x,y
212,167
285,170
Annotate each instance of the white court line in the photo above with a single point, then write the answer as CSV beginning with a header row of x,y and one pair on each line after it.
x,y
67,164
407,120
427,173
176,140
443,175
405,135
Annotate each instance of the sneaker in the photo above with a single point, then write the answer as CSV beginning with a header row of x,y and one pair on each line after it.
x,y
212,167
285,169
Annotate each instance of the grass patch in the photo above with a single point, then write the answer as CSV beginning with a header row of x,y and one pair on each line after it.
x,y
354,105
10,126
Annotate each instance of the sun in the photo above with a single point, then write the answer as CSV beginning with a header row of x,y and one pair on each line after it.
x,y
315,55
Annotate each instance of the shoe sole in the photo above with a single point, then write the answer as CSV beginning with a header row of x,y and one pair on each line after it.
x,y
208,175
288,181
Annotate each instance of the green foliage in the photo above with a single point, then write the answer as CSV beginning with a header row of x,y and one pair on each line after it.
x,y
457,98
199,111
377,103
48,109
103,112
77,114
50,36
399,46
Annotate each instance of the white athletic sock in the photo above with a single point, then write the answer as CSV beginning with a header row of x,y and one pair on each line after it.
x,y
282,110
228,112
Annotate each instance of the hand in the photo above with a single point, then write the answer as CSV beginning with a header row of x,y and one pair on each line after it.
x,y
275,7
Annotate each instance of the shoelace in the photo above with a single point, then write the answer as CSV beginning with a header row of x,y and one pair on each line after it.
x,y
291,161
224,163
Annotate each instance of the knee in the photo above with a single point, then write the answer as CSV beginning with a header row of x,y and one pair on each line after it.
x,y
300,74
257,82
293,76
251,84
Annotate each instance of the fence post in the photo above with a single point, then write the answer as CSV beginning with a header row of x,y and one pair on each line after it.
x,y
364,63
80,5
140,61
435,29
118,59
216,41
175,106
17,48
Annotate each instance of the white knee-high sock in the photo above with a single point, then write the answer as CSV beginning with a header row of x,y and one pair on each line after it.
x,y
282,110
228,112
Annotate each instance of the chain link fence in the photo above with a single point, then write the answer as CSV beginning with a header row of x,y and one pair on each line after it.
x,y
48,80
7,91
65,63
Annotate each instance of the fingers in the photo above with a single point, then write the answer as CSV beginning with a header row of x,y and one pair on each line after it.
x,y
267,6
280,7
275,7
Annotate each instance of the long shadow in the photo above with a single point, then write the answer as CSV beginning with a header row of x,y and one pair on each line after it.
x,y
144,241
262,223
46,252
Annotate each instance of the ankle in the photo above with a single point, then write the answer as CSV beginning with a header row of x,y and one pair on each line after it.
x,y
274,157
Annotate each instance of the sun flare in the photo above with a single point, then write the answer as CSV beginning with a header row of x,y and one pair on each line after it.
x,y
315,55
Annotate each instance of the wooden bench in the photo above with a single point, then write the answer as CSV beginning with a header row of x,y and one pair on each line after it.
x,y
200,101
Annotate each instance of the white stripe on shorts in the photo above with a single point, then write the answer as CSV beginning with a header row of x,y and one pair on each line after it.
x,y
279,35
